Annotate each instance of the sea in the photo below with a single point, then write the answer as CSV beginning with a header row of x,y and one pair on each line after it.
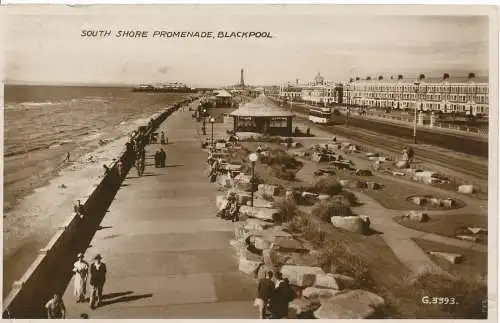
x,y
42,124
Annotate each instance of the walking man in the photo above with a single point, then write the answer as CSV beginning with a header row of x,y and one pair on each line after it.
x,y
97,279
81,270
163,157
55,308
282,296
265,292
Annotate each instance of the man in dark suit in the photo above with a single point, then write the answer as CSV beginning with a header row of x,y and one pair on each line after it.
x,y
282,296
98,272
265,292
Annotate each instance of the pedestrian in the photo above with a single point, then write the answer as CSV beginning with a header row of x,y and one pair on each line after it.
x,y
163,157
81,270
157,159
67,157
162,138
55,308
259,149
98,272
265,290
282,296
84,316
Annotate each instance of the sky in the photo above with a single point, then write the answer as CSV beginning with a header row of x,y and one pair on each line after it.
x,y
43,43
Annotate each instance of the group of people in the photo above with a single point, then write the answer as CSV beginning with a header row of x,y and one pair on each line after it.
x,y
231,209
160,158
274,293
97,271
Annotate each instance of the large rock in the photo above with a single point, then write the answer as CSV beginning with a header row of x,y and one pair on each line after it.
x,y
249,264
355,304
302,276
261,243
257,202
345,281
243,197
310,197
448,203
220,202
257,225
288,244
323,197
373,185
302,259
466,189
417,216
363,172
344,182
454,258
243,182
352,223
300,306
319,293
418,200
326,281
267,189
262,213
402,164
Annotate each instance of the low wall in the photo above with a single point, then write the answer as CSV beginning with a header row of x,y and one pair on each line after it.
x,y
52,269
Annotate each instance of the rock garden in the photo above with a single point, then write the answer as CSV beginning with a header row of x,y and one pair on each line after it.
x,y
310,234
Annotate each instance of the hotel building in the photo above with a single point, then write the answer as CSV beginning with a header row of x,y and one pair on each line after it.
x,y
461,97
316,92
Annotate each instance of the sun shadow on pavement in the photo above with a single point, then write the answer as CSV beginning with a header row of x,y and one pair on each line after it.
x,y
124,299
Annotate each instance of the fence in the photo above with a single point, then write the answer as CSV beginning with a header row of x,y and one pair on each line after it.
x,y
51,270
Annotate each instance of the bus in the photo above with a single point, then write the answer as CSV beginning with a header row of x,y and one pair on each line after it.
x,y
321,115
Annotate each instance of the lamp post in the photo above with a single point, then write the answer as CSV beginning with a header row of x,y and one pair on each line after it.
x,y
203,129
417,90
212,120
253,157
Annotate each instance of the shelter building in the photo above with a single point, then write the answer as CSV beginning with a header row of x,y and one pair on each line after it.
x,y
261,115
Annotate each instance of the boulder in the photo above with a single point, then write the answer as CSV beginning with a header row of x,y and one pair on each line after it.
x,y
402,164
315,292
258,202
249,265
290,195
233,167
370,154
354,304
262,213
435,201
302,276
267,189
243,197
363,172
300,306
365,219
344,182
256,225
454,258
398,173
220,202
309,196
288,244
448,203
352,223
323,197
261,243
373,185
295,145
326,281
344,281
466,189
238,246
302,259
418,200
417,216
468,238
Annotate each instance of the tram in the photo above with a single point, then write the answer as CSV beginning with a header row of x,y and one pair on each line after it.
x,y
321,115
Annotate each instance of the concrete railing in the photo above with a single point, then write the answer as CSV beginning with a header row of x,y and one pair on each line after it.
x,y
52,269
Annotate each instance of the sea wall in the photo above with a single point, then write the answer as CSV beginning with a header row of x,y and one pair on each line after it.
x,y
52,269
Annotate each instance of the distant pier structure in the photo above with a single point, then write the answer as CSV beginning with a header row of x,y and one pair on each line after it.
x,y
242,80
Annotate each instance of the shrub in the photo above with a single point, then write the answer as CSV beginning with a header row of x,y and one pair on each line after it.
x,y
469,294
336,257
282,173
351,197
287,209
326,209
279,157
328,186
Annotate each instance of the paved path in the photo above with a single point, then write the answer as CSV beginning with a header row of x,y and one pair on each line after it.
x,y
168,256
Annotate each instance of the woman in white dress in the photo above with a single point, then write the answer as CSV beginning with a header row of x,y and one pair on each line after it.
x,y
81,270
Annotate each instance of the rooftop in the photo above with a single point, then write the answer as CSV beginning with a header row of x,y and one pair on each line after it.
x,y
223,93
262,106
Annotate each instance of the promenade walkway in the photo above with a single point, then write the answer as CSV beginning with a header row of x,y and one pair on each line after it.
x,y
167,254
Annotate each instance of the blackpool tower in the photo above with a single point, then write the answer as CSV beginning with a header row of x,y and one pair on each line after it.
x,y
242,80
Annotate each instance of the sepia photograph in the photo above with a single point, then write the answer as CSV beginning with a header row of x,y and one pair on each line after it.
x,y
230,161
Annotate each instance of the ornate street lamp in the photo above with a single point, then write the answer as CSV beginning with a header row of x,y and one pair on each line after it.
x,y
417,101
203,129
212,121
253,157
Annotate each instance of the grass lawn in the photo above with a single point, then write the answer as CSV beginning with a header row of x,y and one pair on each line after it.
x,y
449,225
393,194
473,266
